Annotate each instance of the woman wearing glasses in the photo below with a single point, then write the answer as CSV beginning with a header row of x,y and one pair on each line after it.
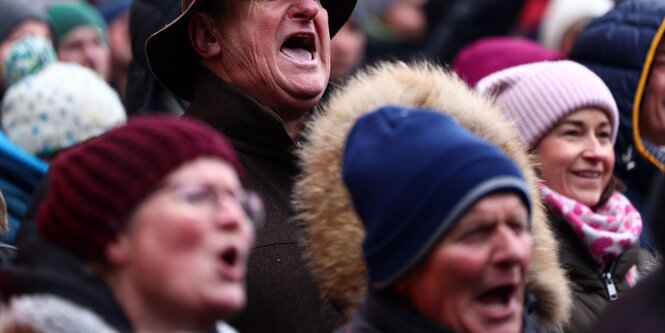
x,y
157,211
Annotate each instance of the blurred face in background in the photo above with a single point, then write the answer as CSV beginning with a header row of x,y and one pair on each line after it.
x,y
407,18
347,49
119,41
85,46
473,280
27,28
576,157
570,35
186,247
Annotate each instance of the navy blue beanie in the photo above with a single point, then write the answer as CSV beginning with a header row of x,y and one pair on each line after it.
x,y
412,174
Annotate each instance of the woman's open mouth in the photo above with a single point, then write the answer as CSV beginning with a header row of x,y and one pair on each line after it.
x,y
231,264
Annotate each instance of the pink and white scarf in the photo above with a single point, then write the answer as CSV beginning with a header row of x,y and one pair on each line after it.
x,y
608,231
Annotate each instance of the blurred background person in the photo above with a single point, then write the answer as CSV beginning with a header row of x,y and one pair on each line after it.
x,y
20,170
565,19
624,48
17,19
347,48
395,28
162,249
568,118
80,35
144,93
492,54
116,16
449,256
451,25
56,105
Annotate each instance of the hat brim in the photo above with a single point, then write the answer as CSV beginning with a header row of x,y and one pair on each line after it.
x,y
174,63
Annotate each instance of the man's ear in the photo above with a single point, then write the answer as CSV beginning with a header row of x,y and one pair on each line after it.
x,y
119,252
204,36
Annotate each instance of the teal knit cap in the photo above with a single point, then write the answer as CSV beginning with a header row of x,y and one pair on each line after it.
x,y
64,17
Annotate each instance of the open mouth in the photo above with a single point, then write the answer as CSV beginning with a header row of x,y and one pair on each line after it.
x,y
229,257
299,47
231,264
498,297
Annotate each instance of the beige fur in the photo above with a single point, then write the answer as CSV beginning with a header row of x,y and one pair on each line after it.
x,y
333,233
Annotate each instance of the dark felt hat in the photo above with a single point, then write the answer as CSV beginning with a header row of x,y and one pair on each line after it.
x,y
171,57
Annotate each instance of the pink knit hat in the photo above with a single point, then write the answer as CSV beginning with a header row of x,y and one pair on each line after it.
x,y
491,54
538,95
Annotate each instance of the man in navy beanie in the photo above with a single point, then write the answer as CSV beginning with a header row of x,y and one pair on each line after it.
x,y
447,218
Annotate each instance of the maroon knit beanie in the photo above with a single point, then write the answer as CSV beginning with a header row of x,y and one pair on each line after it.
x,y
95,185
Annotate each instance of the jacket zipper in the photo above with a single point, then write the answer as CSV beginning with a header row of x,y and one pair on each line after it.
x,y
609,283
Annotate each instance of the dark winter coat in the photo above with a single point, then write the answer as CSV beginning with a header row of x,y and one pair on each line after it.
x,y
381,313
45,268
591,290
642,308
282,296
20,174
618,48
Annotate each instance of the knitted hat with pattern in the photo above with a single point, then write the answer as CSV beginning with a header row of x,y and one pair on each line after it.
x,y
538,95
58,107
65,17
27,56
412,174
95,185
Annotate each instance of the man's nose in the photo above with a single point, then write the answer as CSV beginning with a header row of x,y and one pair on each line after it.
x,y
512,247
304,10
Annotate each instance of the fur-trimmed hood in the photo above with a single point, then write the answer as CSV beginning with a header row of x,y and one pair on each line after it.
x,y
333,233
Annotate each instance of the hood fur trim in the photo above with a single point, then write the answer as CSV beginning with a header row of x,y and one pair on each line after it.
x,y
333,233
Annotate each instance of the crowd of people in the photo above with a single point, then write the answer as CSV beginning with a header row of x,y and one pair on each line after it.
x,y
332,166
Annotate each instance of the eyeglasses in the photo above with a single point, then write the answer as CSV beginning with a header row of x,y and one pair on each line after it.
x,y
211,198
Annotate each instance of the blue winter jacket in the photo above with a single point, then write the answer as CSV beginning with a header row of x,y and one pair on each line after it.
x,y
20,174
